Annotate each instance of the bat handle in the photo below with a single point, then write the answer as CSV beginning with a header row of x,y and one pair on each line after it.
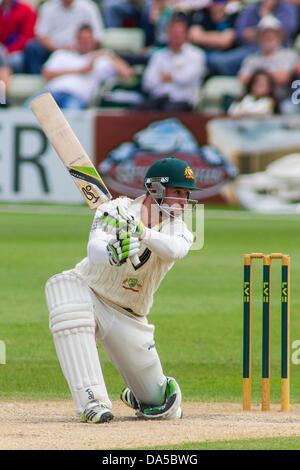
x,y
135,260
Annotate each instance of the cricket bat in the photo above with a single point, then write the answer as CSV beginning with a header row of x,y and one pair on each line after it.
x,y
71,152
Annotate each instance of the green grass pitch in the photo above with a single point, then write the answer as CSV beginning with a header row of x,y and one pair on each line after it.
x,y
197,310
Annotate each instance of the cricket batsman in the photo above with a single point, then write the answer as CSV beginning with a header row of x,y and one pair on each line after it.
x,y
109,296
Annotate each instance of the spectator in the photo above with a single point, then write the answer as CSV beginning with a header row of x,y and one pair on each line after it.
x,y
155,18
259,97
173,76
215,33
17,21
251,14
272,56
56,28
74,75
229,61
115,12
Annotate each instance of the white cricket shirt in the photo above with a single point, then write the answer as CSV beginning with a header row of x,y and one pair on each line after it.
x,y
187,68
129,288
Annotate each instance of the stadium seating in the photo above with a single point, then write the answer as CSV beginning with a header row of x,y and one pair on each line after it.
x,y
121,40
119,92
214,91
22,86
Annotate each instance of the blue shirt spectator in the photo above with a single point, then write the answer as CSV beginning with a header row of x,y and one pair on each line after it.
x,y
249,17
213,27
214,31
228,62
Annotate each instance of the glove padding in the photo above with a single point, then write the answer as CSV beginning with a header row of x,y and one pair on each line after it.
x,y
122,247
120,220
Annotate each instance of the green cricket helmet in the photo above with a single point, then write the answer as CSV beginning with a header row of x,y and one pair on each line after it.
x,y
170,172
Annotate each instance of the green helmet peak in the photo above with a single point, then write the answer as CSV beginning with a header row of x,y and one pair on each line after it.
x,y
171,172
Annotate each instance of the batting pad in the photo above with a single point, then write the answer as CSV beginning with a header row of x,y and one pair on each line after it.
x,y
73,327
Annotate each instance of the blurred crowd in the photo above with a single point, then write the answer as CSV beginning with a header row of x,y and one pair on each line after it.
x,y
187,42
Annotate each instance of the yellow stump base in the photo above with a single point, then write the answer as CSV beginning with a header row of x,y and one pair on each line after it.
x,y
285,394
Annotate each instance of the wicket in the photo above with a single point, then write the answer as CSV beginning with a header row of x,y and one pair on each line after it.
x,y
266,313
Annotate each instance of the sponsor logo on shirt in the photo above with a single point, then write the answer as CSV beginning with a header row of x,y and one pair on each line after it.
x,y
131,284
96,224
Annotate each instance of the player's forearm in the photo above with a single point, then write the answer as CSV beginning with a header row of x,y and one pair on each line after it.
x,y
97,252
218,40
167,247
213,39
281,77
122,67
151,78
50,74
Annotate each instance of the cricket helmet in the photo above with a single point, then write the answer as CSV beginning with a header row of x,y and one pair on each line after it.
x,y
170,172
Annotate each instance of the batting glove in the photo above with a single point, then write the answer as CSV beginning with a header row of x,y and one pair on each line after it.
x,y
123,247
119,221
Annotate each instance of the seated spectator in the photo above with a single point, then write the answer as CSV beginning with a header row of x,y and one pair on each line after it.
x,y
116,12
272,56
56,28
17,21
215,33
173,76
74,76
252,13
155,18
259,97
229,61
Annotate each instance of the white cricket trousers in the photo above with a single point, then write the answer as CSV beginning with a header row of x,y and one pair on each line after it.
x,y
76,314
